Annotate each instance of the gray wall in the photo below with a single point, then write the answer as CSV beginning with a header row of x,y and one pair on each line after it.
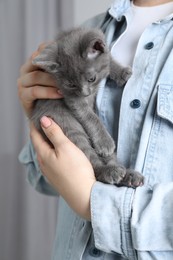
x,y
86,9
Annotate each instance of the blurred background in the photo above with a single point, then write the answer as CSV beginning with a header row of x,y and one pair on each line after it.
x,y
27,218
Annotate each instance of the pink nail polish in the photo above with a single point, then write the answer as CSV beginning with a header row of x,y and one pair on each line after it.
x,y
45,122
59,92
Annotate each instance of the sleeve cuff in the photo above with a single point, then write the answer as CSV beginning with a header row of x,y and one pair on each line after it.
x,y
107,216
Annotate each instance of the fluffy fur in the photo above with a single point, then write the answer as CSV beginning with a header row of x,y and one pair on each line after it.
x,y
79,59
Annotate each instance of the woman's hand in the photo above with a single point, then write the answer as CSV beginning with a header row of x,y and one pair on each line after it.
x,y
65,166
34,83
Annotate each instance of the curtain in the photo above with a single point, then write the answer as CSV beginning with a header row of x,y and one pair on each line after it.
x,y
27,218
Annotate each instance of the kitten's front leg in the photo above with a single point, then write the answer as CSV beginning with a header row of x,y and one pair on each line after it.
x,y
100,138
119,73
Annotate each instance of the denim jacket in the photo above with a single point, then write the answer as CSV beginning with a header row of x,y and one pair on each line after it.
x,y
127,223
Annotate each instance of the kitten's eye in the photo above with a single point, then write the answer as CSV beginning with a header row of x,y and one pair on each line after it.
x,y
54,67
92,79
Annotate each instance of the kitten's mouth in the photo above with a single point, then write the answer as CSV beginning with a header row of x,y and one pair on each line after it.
x,y
86,93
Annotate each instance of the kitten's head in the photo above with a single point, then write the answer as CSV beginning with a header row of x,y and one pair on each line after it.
x,y
79,60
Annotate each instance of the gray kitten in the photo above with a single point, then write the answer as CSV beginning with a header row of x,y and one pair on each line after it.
x,y
79,59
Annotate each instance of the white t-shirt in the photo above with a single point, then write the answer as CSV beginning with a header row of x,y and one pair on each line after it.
x,y
124,49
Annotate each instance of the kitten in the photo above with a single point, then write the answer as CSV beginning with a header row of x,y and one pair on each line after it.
x,y
79,59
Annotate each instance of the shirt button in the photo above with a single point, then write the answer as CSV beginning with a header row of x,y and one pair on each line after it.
x,y
94,252
136,103
149,45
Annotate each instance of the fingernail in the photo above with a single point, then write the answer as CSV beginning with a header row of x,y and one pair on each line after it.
x,y
45,122
59,92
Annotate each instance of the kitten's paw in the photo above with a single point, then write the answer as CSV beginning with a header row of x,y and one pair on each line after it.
x,y
110,174
132,179
125,75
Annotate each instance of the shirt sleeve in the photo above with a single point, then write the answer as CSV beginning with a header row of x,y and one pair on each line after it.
x,y
141,219
34,176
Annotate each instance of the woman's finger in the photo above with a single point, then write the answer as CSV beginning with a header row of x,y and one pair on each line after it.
x,y
53,132
39,92
42,148
37,77
37,139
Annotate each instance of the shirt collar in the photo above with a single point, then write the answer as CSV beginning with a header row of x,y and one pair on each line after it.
x,y
119,8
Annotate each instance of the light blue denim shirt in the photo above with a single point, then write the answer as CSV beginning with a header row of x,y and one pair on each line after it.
x,y
127,223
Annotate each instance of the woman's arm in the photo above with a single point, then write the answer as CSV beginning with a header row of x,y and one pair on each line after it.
x,y
65,166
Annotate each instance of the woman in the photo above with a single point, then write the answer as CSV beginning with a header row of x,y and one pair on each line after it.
x,y
96,219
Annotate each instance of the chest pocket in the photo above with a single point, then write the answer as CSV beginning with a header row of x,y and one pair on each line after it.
x,y
158,163
165,102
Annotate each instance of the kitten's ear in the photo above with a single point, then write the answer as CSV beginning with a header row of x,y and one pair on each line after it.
x,y
95,49
93,44
46,59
